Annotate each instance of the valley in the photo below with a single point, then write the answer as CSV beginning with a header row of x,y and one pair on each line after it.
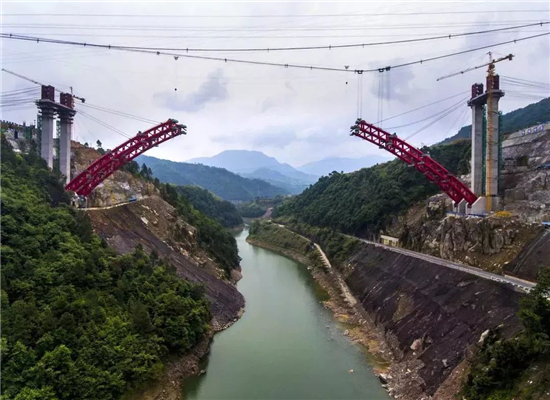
x,y
275,201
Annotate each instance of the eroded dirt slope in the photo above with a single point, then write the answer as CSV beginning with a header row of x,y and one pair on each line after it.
x,y
153,223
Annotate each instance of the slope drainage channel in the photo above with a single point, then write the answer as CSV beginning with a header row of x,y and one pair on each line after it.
x,y
286,345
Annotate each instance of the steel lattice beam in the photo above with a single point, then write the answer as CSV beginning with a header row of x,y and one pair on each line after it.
x,y
103,167
434,171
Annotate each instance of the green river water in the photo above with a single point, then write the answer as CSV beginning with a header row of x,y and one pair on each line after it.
x,y
286,345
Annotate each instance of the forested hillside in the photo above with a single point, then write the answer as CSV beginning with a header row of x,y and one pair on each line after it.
x,y
364,201
79,321
221,182
513,121
218,242
219,210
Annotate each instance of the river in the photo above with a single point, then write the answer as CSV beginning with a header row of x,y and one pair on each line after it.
x,y
286,345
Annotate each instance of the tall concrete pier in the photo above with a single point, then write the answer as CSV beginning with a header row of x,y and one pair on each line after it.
x,y
66,114
47,107
485,162
476,103
492,153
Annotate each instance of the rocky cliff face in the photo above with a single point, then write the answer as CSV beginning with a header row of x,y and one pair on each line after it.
x,y
431,314
526,189
527,194
488,243
119,187
153,223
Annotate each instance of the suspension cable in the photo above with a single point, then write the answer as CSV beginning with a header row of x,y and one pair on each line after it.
x,y
119,113
456,107
273,64
106,125
461,101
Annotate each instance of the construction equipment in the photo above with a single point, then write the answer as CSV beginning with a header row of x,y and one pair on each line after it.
x,y
491,153
38,83
491,62
112,160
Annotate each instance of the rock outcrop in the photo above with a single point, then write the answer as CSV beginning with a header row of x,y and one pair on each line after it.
x,y
488,243
527,189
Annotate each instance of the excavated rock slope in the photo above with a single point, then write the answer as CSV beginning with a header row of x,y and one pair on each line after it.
x,y
488,243
117,188
535,254
431,314
527,189
153,223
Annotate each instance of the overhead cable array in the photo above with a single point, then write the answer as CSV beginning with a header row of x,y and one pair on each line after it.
x,y
120,113
438,117
104,124
331,47
460,102
268,15
251,62
424,106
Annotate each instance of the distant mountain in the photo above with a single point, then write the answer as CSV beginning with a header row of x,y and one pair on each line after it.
x,y
339,164
513,121
221,182
293,186
247,162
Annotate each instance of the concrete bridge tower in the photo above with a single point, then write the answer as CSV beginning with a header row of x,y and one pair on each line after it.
x,y
47,107
485,162
66,114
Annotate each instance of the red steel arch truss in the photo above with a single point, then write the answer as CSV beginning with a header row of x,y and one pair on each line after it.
x,y
112,160
434,171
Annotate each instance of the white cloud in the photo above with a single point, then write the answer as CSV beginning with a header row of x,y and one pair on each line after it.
x,y
295,115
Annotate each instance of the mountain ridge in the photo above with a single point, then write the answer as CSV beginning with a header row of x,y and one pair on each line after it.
x,y
223,183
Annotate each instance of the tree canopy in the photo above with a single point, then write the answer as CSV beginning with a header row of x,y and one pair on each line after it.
x,y
364,201
79,321
204,201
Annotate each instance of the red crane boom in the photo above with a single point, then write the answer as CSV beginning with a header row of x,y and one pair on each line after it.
x,y
104,166
434,171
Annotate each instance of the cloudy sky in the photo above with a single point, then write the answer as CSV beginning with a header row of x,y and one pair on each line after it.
x,y
295,115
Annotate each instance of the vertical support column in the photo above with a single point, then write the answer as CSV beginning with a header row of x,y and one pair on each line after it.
x,y
476,103
477,149
65,145
66,114
46,141
47,108
491,156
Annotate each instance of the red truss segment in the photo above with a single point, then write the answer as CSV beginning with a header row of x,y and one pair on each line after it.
x,y
103,167
434,171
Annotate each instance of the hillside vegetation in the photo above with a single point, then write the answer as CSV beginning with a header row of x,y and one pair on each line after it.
x,y
219,210
212,237
251,210
514,120
516,369
363,202
79,321
221,182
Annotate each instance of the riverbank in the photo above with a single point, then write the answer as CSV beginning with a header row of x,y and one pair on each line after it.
x,y
360,328
170,385
287,345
